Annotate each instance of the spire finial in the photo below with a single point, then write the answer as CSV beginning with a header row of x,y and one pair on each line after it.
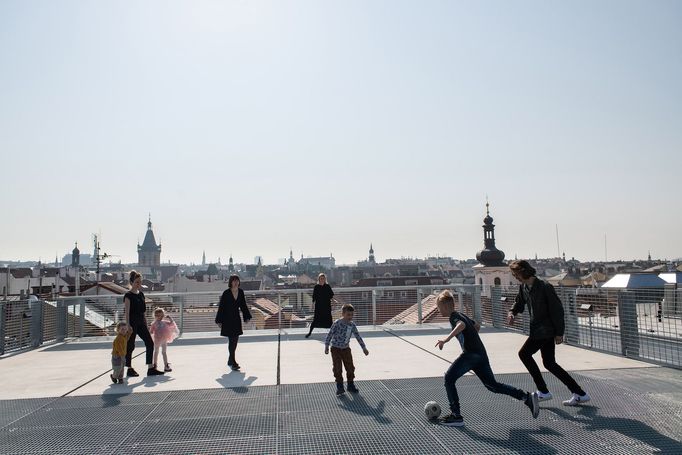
x,y
487,205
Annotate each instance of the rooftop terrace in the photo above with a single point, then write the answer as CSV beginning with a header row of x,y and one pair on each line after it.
x,y
59,399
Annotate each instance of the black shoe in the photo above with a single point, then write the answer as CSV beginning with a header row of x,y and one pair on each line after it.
x,y
167,368
235,366
153,372
230,362
452,420
339,389
351,388
132,373
113,379
120,381
533,403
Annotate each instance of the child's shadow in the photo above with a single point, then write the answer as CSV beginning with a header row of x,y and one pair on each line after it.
x,y
237,381
355,403
113,395
635,429
518,439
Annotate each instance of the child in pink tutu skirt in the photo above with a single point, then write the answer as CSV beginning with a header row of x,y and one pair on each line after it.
x,y
163,331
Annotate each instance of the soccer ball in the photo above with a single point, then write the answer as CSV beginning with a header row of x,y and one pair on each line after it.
x,y
432,410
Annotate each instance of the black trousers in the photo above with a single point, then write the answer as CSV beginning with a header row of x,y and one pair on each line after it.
x,y
232,348
140,328
547,349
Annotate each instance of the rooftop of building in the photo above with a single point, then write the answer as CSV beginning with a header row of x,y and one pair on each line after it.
x,y
59,399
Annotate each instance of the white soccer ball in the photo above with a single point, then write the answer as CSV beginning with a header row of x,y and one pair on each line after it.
x,y
432,410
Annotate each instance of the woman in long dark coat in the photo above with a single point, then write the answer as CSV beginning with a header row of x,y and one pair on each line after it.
x,y
322,298
228,318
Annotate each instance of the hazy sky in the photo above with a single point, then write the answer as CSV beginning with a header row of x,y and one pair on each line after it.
x,y
248,127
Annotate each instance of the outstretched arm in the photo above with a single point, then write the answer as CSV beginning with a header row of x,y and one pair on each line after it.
x,y
456,331
519,303
360,340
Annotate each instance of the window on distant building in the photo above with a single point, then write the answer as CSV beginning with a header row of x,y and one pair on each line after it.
x,y
389,294
498,281
403,294
384,283
411,282
365,295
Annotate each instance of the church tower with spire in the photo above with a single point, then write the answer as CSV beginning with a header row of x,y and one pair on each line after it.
x,y
491,269
149,253
371,259
75,257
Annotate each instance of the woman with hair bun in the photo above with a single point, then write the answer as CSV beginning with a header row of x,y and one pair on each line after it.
x,y
134,315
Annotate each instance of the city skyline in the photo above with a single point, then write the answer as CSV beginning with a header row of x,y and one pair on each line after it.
x,y
252,127
85,249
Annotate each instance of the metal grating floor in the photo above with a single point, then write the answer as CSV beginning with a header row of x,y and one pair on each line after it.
x,y
632,412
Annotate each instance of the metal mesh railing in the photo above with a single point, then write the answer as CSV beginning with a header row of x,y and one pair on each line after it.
x,y
639,323
15,326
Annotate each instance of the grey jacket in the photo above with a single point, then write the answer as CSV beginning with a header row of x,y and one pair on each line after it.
x,y
547,312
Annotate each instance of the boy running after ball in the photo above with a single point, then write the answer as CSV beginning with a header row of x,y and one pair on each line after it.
x,y
473,357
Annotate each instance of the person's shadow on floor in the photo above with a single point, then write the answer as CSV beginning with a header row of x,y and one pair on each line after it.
x,y
517,438
589,418
112,397
237,381
355,403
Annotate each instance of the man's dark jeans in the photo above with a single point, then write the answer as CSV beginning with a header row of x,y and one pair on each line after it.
x,y
480,365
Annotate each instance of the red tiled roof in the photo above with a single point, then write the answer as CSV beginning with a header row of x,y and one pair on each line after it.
x,y
411,315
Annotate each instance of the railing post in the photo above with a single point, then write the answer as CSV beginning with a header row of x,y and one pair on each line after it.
x,y
572,332
476,298
496,306
35,308
668,306
279,311
3,312
627,321
182,315
420,297
374,307
81,319
60,320
460,300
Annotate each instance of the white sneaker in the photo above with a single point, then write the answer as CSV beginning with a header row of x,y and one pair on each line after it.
x,y
577,399
544,396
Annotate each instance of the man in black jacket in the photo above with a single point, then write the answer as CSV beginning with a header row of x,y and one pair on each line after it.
x,y
546,330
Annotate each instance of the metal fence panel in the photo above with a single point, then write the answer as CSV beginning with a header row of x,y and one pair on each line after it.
x,y
644,324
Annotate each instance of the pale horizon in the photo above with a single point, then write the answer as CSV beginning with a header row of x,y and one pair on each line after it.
x,y
247,128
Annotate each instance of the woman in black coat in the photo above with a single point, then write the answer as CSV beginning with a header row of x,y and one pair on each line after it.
x,y
322,298
228,318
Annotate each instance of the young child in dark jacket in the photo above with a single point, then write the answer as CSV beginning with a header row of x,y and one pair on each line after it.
x,y
339,338
474,357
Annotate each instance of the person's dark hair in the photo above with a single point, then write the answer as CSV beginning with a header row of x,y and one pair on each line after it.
x,y
134,275
232,278
523,268
347,307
